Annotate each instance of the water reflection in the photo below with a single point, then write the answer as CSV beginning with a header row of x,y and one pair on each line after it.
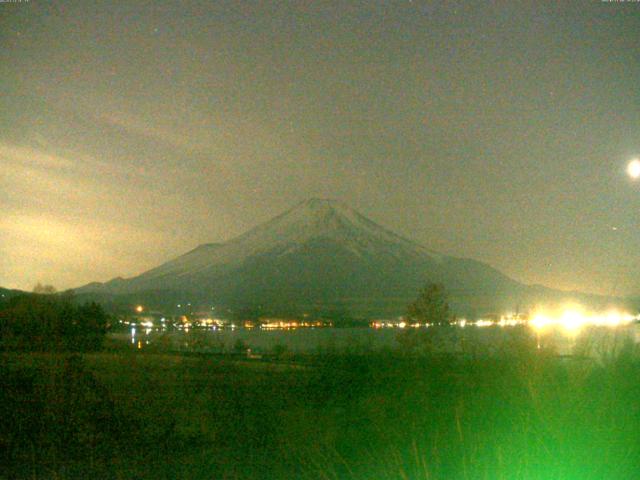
x,y
589,339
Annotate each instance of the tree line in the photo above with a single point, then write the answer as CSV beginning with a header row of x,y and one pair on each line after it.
x,y
46,322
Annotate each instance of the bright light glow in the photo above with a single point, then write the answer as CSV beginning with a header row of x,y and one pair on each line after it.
x,y
633,169
570,318
613,319
139,308
540,321
484,323
573,318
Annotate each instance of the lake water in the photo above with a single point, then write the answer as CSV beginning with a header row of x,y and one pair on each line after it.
x,y
591,341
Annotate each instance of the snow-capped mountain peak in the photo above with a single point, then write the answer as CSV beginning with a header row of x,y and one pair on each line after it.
x,y
318,252
317,219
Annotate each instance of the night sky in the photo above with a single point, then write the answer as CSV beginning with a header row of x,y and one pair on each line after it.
x,y
132,131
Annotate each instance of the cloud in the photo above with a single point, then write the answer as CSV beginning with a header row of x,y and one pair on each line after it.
x,y
151,130
27,156
68,222
34,179
69,252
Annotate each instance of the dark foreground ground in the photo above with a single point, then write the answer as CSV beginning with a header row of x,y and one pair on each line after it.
x,y
519,414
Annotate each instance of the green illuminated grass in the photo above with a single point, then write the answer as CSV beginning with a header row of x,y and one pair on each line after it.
x,y
519,414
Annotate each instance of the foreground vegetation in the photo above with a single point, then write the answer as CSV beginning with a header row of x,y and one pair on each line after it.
x,y
517,414
50,322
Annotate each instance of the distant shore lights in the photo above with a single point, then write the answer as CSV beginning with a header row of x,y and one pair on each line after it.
x,y
573,319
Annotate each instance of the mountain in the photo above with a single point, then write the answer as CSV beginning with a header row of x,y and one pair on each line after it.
x,y
321,255
6,294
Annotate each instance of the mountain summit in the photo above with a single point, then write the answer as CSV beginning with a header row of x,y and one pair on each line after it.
x,y
320,254
329,220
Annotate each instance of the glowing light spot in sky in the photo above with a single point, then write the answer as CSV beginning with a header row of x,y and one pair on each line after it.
x,y
633,169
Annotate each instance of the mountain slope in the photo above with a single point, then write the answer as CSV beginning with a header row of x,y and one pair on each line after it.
x,y
321,254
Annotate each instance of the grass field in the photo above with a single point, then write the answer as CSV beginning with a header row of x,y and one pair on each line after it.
x,y
521,414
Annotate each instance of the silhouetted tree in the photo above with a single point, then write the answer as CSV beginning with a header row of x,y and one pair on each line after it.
x,y
51,322
431,306
44,289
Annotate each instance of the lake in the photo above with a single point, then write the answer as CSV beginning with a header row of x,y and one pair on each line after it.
x,y
591,341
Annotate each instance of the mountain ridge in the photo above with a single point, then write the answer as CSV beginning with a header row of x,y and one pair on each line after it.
x,y
321,253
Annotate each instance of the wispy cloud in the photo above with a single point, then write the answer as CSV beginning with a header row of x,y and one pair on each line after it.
x,y
28,156
152,130
70,217
58,250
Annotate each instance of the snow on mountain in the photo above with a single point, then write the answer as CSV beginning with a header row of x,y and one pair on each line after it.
x,y
320,251
313,219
